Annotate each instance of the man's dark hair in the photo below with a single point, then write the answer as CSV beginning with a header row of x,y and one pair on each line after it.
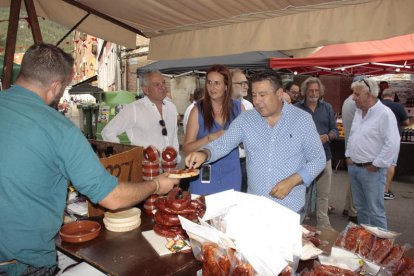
x,y
45,63
271,76
290,84
198,93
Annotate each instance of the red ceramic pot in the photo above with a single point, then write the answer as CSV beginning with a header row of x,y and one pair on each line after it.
x,y
148,165
169,154
168,165
151,153
151,172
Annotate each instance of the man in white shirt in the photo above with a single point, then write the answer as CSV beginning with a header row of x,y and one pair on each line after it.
x,y
197,95
151,120
240,87
371,148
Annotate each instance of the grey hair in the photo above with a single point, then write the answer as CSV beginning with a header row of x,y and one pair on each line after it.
x,y
304,87
145,77
236,71
388,92
368,85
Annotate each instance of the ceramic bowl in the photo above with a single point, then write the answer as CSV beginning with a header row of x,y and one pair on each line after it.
x,y
151,153
169,154
80,231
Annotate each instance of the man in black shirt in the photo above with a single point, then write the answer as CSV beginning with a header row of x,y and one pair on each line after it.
x,y
402,119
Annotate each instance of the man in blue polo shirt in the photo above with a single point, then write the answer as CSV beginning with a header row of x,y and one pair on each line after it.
x,y
40,151
283,149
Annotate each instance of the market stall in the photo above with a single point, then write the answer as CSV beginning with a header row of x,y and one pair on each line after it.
x,y
130,252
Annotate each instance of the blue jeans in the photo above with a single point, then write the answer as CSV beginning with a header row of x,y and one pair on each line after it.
x,y
368,195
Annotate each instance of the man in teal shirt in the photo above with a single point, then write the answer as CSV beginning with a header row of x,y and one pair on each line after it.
x,y
40,151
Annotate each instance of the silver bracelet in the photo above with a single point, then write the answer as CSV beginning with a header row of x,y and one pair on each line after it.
x,y
157,183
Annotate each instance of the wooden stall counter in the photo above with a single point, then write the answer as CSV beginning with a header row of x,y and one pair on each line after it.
x,y
129,253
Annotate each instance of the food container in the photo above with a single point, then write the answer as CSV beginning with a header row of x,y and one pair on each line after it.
x,y
150,165
151,153
168,166
149,204
150,172
169,154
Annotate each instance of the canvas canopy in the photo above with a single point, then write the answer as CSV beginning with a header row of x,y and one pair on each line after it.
x,y
248,60
394,55
190,29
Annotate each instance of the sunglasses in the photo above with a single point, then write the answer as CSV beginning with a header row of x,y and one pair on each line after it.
x,y
164,129
369,88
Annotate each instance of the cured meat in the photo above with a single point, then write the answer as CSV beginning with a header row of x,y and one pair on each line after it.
x,y
351,238
365,242
327,270
243,269
380,250
177,202
218,261
210,254
394,257
169,232
171,219
178,199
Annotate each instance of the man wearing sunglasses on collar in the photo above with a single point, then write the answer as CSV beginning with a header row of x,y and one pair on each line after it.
x,y
372,146
151,120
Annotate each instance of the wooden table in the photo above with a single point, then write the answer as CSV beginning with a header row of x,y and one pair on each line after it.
x,y
129,253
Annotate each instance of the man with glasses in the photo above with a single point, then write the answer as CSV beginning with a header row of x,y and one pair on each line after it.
x,y
372,146
240,87
283,149
293,90
151,120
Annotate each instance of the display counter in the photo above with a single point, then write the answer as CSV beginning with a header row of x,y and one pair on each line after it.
x,y
129,253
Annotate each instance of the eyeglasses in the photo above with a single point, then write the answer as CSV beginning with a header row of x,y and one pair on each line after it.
x,y
242,83
164,129
369,88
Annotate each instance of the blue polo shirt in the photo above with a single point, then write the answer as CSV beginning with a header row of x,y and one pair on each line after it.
x,y
40,150
324,119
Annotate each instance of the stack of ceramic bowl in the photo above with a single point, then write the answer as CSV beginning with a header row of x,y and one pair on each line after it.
x,y
149,204
169,159
122,221
150,164
150,169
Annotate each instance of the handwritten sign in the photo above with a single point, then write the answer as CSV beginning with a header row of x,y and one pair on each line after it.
x,y
126,166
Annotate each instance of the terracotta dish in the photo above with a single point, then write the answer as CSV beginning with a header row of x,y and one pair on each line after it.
x,y
80,231
169,154
151,153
